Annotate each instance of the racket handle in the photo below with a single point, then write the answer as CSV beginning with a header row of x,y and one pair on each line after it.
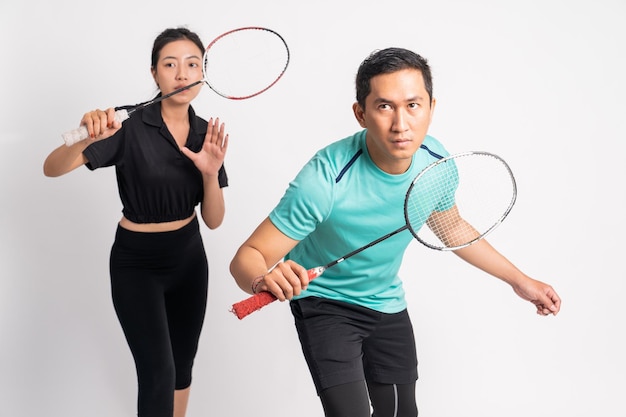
x,y
260,300
80,133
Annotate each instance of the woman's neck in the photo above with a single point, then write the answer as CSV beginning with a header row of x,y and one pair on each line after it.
x,y
175,113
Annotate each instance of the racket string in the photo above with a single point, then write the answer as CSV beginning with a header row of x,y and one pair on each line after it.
x,y
245,62
456,213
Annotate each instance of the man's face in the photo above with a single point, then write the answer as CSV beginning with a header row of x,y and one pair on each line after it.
x,y
397,114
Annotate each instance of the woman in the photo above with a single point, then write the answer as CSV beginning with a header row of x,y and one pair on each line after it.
x,y
167,160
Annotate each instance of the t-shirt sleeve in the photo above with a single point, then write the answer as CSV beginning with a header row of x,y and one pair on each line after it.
x,y
307,201
447,187
222,177
451,183
106,152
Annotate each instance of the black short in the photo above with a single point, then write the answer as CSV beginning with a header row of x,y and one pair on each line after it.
x,y
344,343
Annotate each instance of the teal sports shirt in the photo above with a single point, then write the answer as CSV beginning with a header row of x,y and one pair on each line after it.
x,y
341,201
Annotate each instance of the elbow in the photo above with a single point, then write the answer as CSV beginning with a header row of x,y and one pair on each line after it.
x,y
213,225
213,218
51,173
53,167
213,222
48,171
234,272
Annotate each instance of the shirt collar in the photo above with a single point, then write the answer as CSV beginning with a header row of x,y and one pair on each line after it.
x,y
152,116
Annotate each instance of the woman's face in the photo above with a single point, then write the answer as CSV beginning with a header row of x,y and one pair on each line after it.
x,y
179,64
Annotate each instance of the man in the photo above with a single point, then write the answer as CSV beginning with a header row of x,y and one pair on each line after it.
x,y
352,321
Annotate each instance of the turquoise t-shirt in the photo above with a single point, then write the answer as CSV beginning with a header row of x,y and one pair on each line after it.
x,y
340,201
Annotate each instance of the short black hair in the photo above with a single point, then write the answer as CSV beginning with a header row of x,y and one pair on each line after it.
x,y
385,61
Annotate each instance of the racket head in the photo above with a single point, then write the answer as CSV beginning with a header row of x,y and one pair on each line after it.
x,y
244,62
459,199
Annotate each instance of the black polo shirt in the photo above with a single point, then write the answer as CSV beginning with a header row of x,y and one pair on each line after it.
x,y
156,182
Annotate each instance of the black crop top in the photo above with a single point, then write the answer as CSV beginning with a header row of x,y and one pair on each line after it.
x,y
156,182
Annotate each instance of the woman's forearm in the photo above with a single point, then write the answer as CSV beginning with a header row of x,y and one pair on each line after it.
x,y
64,159
213,206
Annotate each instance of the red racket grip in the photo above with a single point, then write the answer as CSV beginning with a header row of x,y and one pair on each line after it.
x,y
260,300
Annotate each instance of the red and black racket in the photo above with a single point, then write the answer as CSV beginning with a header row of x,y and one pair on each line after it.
x,y
239,64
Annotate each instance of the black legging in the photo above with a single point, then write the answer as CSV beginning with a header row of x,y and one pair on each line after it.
x,y
159,285
353,400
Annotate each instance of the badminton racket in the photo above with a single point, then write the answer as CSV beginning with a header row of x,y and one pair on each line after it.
x,y
239,64
460,199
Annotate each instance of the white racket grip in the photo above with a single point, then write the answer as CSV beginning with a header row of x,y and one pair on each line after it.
x,y
80,133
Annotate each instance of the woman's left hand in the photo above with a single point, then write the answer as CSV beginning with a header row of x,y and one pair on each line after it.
x,y
210,158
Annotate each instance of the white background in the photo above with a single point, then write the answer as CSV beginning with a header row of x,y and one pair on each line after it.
x,y
539,82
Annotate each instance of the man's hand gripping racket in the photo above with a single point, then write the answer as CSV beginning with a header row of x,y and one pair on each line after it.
x,y
460,198
239,64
